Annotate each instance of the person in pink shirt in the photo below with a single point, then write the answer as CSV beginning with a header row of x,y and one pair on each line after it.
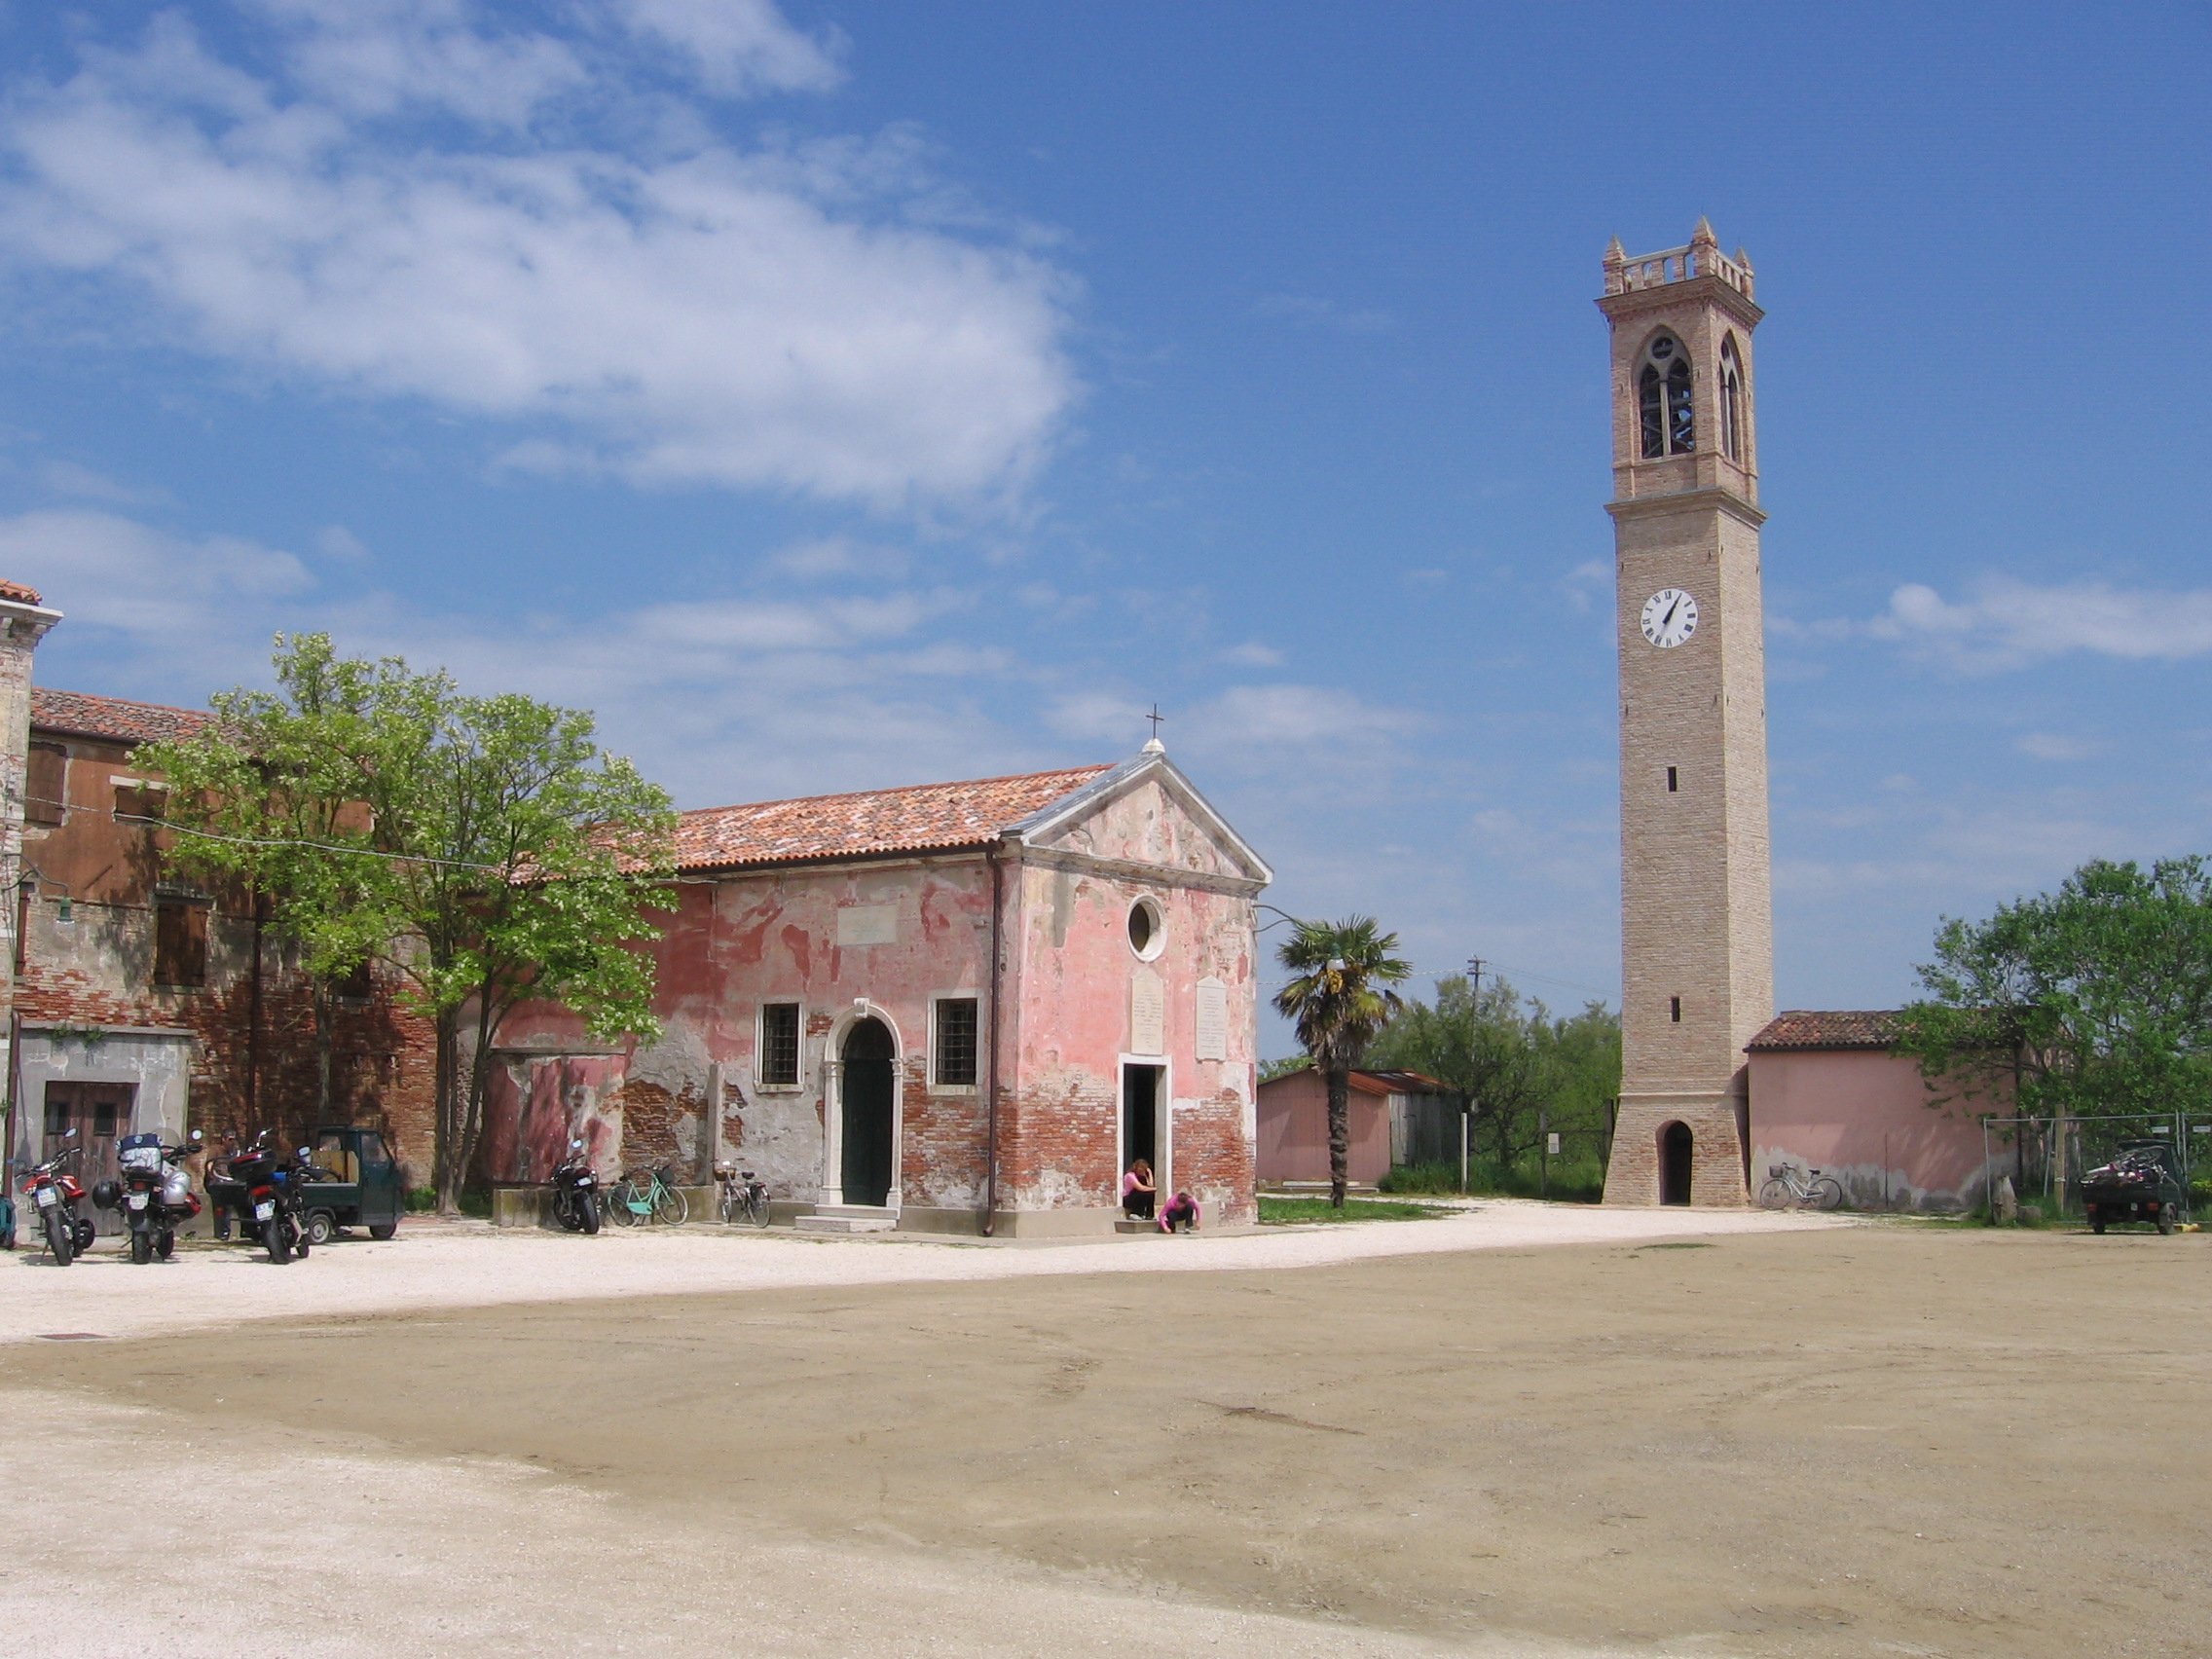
x,y
1139,1194
1181,1214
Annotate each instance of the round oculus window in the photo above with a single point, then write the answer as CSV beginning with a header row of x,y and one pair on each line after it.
x,y
1662,348
1147,933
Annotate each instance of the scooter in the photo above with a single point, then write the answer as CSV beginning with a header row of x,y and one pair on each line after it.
x,y
155,1196
575,1191
55,1194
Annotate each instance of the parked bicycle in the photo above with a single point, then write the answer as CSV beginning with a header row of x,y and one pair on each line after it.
x,y
744,1197
651,1197
1788,1189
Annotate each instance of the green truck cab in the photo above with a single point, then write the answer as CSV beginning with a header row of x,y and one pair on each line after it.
x,y
354,1183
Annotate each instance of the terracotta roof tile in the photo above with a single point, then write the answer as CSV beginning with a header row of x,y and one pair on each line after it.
x,y
17,591
1810,1028
923,818
83,715
1376,1082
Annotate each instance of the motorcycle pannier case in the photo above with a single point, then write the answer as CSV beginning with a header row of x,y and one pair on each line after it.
x,y
140,1152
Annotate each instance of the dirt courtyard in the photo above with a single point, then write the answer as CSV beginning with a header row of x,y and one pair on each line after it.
x,y
1875,1439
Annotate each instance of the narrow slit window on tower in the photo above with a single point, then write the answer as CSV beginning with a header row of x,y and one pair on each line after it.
x,y
1675,1010
1731,401
1650,407
1674,779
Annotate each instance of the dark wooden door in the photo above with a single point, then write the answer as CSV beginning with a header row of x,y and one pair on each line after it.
x,y
866,1093
99,1112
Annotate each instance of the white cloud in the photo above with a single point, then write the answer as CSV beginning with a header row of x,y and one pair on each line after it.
x,y
1295,717
763,318
1253,654
67,478
2055,746
2004,623
171,594
1306,311
738,45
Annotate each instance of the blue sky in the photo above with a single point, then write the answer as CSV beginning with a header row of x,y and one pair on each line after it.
x,y
851,394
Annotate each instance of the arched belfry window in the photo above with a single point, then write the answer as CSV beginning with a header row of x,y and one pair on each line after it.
x,y
1731,400
1664,408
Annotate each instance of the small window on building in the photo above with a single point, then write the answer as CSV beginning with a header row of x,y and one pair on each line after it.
x,y
956,1041
1148,933
46,784
1674,779
778,1045
1675,1010
103,1118
180,944
357,985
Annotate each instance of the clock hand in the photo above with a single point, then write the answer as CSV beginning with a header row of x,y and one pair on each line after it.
x,y
1669,616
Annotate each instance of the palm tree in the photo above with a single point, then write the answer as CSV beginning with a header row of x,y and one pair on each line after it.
x,y
1339,1004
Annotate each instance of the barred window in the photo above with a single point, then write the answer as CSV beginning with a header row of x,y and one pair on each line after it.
x,y
778,1045
956,1041
1665,414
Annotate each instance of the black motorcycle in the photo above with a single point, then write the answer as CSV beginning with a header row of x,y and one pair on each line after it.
x,y
575,1191
260,1185
153,1194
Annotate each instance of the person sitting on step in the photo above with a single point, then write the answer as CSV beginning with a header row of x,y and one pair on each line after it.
x,y
1139,1194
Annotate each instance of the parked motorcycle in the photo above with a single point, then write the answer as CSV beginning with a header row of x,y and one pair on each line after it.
x,y
575,1191
153,1194
260,1183
55,1193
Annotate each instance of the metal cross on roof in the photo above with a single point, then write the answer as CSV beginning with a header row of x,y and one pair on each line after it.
x,y
1155,717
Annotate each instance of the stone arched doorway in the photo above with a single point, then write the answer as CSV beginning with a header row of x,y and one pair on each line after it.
x,y
867,1100
1676,1153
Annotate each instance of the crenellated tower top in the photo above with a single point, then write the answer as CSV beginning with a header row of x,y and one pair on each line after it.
x,y
1700,256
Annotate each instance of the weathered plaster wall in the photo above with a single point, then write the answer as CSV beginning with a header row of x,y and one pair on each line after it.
x,y
1089,1000
1870,1120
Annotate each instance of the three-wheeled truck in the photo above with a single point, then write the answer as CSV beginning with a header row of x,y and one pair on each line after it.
x,y
2142,1183
352,1182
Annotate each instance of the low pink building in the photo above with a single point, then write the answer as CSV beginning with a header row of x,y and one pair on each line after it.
x,y
954,1007
1826,1093
1380,1116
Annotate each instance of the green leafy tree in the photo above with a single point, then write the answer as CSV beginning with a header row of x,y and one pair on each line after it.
x,y
1338,1003
1522,1071
485,847
2096,1000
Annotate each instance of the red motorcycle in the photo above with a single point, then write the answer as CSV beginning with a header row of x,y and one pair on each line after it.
x,y
55,1193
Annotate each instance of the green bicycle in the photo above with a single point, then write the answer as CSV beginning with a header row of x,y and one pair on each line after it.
x,y
638,1198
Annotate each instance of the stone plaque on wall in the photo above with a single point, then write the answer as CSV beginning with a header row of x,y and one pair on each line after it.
x,y
1212,1038
868,924
1148,1014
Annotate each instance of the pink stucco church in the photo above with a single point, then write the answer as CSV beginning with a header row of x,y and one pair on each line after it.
x,y
960,1007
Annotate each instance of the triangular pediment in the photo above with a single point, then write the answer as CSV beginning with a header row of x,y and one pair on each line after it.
x,y
1145,812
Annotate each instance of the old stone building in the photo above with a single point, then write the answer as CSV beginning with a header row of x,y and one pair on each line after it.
x,y
960,1007
140,1000
1697,948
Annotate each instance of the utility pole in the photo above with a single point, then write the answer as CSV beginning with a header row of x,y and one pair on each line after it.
x,y
1475,977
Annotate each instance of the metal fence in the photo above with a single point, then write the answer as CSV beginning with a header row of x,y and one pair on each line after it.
x,y
2046,1157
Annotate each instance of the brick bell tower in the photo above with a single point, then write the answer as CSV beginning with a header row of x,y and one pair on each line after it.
x,y
1697,928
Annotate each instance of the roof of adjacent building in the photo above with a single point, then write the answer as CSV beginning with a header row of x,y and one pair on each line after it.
x,y
17,591
80,713
922,817
1813,1028
1376,1082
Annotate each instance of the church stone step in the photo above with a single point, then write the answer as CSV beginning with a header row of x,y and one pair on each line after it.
x,y
847,1221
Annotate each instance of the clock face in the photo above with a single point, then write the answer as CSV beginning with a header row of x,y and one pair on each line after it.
x,y
1669,616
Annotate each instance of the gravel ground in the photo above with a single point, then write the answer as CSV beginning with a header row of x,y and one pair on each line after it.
x,y
460,1265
